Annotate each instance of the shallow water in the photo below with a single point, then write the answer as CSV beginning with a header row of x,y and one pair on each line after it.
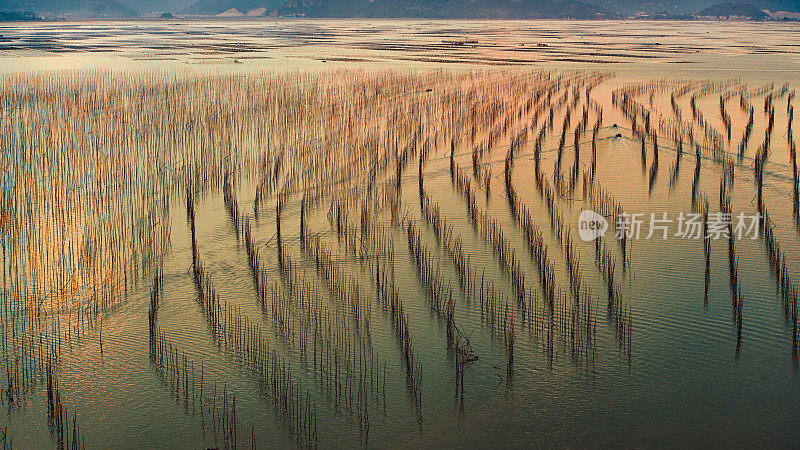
x,y
682,379
762,51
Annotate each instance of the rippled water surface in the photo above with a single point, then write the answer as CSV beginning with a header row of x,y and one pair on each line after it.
x,y
278,163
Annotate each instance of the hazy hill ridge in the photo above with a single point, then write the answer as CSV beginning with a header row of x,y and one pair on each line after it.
x,y
686,6
478,9
442,9
445,9
70,8
733,10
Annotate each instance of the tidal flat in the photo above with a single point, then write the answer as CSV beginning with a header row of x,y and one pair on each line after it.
x,y
349,233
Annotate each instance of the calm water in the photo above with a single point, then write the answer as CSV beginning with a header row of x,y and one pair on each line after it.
x,y
681,381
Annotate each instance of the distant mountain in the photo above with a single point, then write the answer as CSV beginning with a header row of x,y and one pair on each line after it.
x,y
156,7
685,6
17,16
511,9
483,9
734,10
444,9
651,6
69,8
94,8
213,7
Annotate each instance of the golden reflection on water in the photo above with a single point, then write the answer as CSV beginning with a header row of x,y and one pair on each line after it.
x,y
112,157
